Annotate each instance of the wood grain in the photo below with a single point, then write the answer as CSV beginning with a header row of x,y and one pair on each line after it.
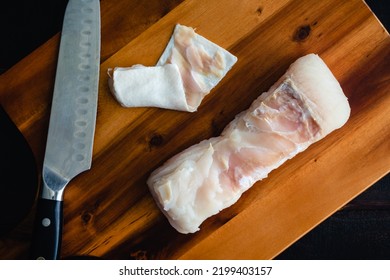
x,y
108,211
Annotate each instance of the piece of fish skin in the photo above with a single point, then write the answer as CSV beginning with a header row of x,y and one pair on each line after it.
x,y
141,86
302,107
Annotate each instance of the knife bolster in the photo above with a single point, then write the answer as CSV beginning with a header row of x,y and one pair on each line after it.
x,y
53,185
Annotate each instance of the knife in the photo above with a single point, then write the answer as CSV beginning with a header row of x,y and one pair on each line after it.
x,y
72,121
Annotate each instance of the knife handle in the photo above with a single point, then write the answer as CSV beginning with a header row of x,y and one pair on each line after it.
x,y
47,235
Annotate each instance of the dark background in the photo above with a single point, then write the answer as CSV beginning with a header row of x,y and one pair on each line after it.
x,y
360,230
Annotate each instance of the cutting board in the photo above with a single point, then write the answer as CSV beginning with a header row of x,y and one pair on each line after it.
x,y
108,210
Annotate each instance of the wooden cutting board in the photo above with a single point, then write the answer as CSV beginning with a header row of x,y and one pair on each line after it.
x,y
109,212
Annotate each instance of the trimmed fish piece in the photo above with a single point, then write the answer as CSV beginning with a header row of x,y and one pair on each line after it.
x,y
189,68
202,63
302,107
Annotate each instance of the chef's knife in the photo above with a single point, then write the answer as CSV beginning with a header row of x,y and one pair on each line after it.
x,y
72,121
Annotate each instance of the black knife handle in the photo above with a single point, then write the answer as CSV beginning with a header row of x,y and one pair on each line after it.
x,y
47,235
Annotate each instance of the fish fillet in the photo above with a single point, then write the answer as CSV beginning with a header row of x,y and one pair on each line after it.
x,y
302,107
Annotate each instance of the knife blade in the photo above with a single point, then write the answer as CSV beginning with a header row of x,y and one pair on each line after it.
x,y
72,121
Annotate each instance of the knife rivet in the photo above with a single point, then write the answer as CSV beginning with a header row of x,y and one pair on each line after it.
x,y
46,222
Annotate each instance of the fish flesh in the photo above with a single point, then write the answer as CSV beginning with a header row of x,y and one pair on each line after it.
x,y
188,69
202,63
302,107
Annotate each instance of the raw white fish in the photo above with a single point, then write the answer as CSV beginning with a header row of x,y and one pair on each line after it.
x,y
302,107
189,68
202,63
